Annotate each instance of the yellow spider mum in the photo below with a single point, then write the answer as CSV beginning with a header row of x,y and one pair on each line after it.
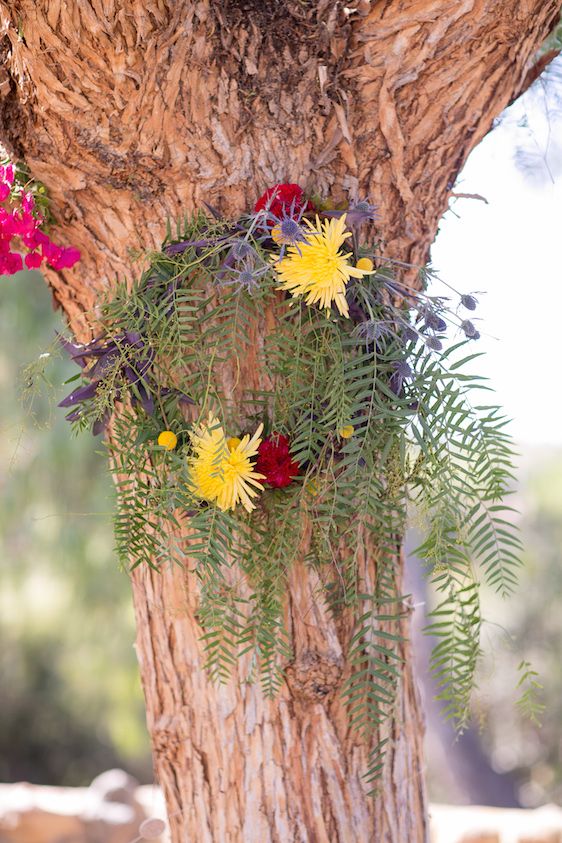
x,y
317,269
221,471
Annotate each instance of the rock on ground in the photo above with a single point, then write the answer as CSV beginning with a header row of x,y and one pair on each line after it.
x,y
115,809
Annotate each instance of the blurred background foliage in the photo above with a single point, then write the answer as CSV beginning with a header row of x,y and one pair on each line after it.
x,y
517,747
70,698
504,758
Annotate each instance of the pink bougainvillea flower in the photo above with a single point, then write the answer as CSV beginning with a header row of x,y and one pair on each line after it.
x,y
11,263
33,260
21,219
59,257
66,259
23,223
27,202
7,173
35,239
51,252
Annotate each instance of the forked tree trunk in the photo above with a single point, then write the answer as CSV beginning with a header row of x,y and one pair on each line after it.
x,y
134,110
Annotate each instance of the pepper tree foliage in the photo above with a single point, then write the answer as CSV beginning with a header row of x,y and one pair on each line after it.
x,y
379,418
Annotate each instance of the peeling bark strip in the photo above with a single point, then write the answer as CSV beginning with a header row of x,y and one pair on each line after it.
x,y
132,110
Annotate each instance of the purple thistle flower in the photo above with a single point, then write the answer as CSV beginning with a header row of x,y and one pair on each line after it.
x,y
469,329
434,343
373,329
410,335
402,371
435,322
402,368
242,251
469,302
247,279
287,226
289,232
361,213
356,215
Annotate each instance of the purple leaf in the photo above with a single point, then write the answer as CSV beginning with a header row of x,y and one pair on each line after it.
x,y
79,395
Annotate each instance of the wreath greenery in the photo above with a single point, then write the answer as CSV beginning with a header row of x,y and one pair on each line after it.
x,y
359,413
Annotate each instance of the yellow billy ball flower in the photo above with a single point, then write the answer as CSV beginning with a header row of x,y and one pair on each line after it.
x,y
347,431
316,269
366,264
221,471
276,234
168,440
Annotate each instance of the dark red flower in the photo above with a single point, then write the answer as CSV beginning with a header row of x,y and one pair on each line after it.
x,y
275,461
283,200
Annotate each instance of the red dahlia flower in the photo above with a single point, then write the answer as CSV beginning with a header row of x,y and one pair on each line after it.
x,y
275,461
283,200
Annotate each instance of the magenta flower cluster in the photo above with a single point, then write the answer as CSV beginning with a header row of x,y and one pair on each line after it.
x,y
21,220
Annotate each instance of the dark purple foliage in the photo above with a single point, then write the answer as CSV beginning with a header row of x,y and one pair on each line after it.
x,y
135,372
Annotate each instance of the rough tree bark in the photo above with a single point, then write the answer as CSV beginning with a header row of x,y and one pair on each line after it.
x,y
132,110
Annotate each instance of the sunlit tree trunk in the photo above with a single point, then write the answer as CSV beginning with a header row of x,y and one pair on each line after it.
x,y
131,111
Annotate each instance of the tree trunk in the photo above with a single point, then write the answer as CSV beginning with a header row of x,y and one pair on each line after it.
x,y
134,110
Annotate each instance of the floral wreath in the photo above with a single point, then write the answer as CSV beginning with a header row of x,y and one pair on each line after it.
x,y
363,411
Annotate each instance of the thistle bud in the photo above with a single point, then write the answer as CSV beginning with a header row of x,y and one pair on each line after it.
x,y
434,343
469,302
469,329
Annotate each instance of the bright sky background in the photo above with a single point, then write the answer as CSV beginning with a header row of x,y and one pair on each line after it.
x,y
511,248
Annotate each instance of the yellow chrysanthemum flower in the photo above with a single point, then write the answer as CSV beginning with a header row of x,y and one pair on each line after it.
x,y
317,269
347,431
221,471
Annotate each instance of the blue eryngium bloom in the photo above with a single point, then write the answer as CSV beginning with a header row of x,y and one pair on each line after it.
x,y
469,302
241,250
435,322
434,343
402,371
288,232
470,330
357,214
247,278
